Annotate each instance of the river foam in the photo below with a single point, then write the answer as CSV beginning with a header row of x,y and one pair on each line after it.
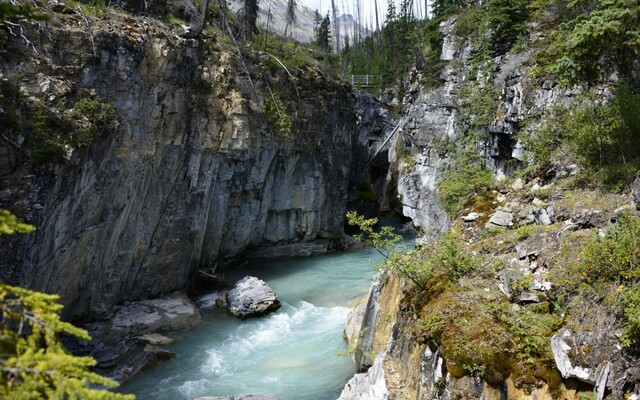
x,y
291,353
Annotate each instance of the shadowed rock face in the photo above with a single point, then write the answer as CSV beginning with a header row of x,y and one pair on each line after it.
x,y
194,173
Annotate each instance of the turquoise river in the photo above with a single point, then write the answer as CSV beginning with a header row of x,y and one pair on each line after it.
x,y
292,354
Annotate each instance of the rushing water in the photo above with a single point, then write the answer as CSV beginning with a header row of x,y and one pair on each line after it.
x,y
292,354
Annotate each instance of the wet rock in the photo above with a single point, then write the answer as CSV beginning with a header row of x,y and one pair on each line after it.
x,y
367,386
155,339
257,397
171,312
501,218
250,297
291,250
154,356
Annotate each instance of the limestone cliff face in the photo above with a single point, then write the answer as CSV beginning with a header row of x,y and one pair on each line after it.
x,y
194,173
408,363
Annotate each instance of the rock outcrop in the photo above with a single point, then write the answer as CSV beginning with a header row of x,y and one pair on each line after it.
x,y
251,297
128,341
193,175
537,219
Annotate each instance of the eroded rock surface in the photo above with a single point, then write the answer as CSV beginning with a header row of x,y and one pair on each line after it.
x,y
251,297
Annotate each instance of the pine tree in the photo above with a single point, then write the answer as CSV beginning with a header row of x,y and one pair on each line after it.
x,y
291,15
323,32
250,14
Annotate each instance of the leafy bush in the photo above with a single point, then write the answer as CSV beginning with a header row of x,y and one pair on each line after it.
x,y
614,258
34,363
602,138
460,184
482,335
277,115
46,142
97,112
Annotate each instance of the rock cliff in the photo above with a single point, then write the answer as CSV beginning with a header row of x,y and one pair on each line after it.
x,y
193,174
439,341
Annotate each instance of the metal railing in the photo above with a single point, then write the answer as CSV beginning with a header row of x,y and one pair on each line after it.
x,y
363,81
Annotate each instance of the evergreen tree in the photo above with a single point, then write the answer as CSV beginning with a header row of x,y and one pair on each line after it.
x,y
323,34
250,14
33,362
291,15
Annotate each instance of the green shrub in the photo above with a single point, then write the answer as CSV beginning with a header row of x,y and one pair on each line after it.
x,y
277,115
460,184
614,258
602,138
631,310
46,141
598,38
97,112
10,103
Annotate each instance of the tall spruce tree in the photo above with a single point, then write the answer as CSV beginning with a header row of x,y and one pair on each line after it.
x,y
250,14
291,15
323,34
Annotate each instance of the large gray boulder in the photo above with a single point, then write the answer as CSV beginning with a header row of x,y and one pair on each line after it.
x,y
172,312
252,297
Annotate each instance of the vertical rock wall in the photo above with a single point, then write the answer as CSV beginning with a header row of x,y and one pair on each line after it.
x,y
194,173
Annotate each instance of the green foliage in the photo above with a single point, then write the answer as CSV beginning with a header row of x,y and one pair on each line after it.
x,y
481,334
384,240
277,115
366,193
53,132
467,176
33,362
402,44
602,138
322,31
598,38
10,103
47,141
97,112
631,310
15,12
614,258
9,224
448,255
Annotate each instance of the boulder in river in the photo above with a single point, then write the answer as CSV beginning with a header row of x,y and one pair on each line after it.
x,y
252,297
214,398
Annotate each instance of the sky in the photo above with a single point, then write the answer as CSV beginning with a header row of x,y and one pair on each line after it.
x,y
350,6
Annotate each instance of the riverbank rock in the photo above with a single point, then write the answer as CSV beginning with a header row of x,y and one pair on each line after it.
x,y
367,386
155,339
167,313
128,342
252,297
214,398
254,397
